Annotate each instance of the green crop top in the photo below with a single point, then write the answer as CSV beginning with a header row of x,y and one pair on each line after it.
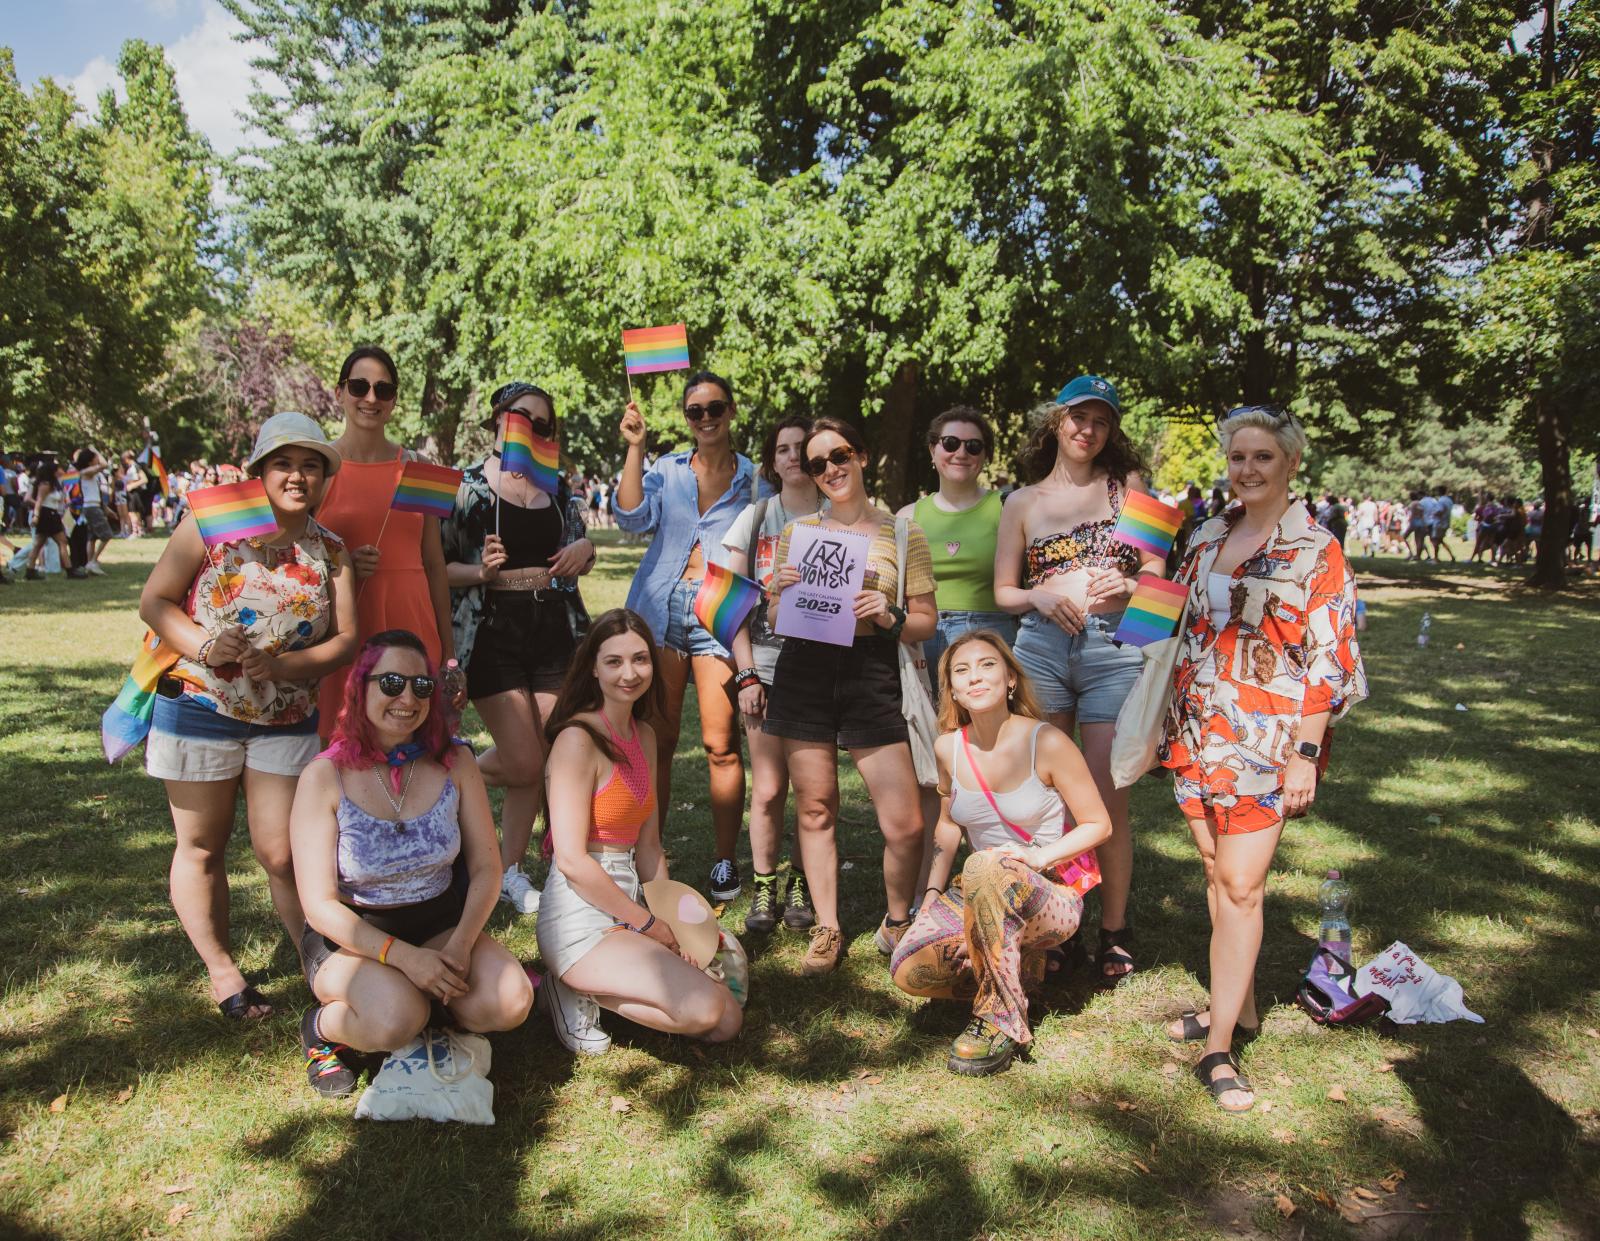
x,y
963,549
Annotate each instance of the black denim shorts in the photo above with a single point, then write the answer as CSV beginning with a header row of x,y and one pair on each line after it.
x,y
524,642
849,695
411,924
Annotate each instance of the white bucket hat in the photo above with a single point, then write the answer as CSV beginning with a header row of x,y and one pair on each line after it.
x,y
281,430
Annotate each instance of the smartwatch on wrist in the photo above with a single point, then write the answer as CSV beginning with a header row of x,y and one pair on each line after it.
x,y
1309,749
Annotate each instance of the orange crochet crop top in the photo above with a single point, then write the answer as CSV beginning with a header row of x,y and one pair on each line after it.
x,y
623,805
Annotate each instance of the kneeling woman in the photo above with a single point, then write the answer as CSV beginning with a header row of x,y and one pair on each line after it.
x,y
985,937
603,948
385,822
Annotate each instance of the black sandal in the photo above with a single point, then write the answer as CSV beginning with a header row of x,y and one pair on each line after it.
x,y
238,1005
1118,941
1223,1085
1194,1032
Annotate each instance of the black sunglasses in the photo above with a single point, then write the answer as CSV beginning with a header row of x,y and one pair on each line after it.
x,y
711,409
951,442
839,456
383,389
393,684
544,430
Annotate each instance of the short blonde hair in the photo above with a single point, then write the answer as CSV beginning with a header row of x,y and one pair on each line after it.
x,y
1285,427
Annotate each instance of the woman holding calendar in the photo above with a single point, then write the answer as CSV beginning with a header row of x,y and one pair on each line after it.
x,y
1058,566
400,574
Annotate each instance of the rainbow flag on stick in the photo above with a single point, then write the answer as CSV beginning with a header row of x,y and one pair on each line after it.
x,y
160,471
523,452
1148,524
646,350
127,720
426,489
1153,612
232,512
723,601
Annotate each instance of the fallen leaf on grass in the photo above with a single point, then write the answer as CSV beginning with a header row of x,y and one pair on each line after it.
x,y
178,1212
1284,1136
1351,1213
1283,1079
1124,1106
1323,1197
169,1190
1361,1191
1284,1206
1336,1094
870,1160
874,1080
1392,1181
1141,1165
58,1104
544,1193
122,1021
1386,1067
1591,1032
619,1104
1266,1105
1168,1069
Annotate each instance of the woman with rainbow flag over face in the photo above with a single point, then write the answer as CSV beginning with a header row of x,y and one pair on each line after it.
x,y
254,602
515,546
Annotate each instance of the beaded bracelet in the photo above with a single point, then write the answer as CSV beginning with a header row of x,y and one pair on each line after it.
x,y
205,649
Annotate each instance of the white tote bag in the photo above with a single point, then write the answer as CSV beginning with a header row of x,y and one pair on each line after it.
x,y
439,1075
915,704
1143,717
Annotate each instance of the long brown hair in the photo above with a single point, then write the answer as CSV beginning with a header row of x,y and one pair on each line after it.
x,y
580,692
1119,458
1020,700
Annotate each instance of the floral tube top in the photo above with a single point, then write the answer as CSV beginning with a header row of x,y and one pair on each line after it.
x,y
1088,545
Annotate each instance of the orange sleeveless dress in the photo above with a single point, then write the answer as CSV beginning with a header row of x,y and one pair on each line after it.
x,y
396,596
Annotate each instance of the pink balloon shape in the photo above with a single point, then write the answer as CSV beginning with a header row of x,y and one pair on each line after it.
x,y
691,909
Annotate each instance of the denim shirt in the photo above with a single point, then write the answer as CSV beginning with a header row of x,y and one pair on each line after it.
x,y
671,511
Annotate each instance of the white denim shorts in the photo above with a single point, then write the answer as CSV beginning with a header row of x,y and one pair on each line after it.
x,y
189,741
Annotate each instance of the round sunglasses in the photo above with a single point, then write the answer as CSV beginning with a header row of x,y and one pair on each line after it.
x,y
383,389
393,684
839,456
711,409
952,442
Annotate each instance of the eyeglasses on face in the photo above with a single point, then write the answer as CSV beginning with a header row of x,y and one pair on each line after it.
x,y
952,442
393,684
542,427
711,409
839,456
383,389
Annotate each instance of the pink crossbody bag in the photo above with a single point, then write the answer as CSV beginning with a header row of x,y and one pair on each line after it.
x,y
1081,874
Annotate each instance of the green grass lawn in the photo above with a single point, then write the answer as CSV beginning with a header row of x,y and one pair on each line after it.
x,y
130,1108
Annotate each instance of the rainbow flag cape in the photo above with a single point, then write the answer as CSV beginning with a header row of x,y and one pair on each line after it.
x,y
160,471
67,479
523,452
1153,612
1148,524
649,349
426,489
723,601
233,511
127,720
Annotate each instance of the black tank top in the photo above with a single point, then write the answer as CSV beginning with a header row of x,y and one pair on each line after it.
x,y
530,535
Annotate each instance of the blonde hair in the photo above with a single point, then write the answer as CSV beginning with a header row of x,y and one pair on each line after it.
x,y
1285,427
1020,700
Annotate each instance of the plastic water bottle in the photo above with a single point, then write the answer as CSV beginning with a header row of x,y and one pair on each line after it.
x,y
1333,899
1422,634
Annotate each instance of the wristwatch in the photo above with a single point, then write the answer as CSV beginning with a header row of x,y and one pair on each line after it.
x,y
1309,749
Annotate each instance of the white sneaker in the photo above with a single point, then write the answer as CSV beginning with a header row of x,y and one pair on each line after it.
x,y
94,567
575,1016
517,890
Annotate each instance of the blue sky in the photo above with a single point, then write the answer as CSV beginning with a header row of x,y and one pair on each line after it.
x,y
76,42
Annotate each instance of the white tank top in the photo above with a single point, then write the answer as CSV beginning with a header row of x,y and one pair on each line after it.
x,y
1033,805
1218,588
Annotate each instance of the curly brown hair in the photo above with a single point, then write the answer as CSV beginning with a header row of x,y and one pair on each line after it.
x,y
1119,458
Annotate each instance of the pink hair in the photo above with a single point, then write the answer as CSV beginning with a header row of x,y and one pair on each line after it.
x,y
354,742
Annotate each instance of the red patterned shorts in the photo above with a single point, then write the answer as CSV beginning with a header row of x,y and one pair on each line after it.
x,y
1213,797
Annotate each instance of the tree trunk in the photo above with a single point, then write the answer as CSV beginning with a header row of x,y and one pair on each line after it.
x,y
896,439
1551,423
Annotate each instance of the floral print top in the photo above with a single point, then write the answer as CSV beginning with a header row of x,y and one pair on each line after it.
x,y
281,596
1088,545
1288,650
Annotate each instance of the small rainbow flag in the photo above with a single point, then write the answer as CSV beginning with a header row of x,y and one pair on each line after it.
x,y
68,478
160,471
233,511
649,349
1148,524
426,489
523,452
1153,612
127,720
723,601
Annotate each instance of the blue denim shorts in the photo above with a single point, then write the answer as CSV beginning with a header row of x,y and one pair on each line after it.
x,y
1082,673
684,631
952,625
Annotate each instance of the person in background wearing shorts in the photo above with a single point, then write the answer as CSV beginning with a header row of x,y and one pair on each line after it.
x,y
1057,566
256,622
1439,517
95,486
1268,662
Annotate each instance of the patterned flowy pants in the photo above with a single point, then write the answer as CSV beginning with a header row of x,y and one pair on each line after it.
x,y
985,940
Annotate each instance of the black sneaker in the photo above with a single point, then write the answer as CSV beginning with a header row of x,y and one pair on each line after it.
x,y
725,884
329,1076
797,912
763,915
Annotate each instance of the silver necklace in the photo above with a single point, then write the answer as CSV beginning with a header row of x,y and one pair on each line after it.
x,y
399,818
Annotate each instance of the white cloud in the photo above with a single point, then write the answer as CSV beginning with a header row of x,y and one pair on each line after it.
x,y
95,76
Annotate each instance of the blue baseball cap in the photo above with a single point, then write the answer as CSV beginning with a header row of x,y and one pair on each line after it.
x,y
1090,388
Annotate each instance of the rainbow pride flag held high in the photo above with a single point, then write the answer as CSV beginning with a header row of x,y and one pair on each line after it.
x,y
1153,612
426,489
723,601
646,350
233,511
1148,524
127,720
523,452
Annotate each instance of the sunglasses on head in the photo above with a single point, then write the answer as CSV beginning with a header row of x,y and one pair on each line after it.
x,y
711,409
839,456
952,442
1280,416
393,684
383,389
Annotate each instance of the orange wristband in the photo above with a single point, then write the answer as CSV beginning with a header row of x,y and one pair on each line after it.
x,y
383,953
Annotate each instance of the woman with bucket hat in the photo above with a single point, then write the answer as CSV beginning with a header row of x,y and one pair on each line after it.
x,y
256,622
1058,566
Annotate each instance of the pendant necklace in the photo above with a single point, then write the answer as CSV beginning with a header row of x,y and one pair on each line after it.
x,y
399,818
